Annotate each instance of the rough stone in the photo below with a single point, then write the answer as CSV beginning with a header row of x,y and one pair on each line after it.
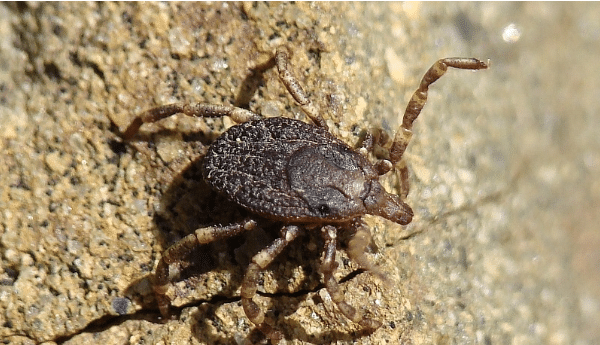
x,y
504,169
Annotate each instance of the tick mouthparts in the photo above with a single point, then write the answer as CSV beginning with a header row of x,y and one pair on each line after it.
x,y
388,206
394,209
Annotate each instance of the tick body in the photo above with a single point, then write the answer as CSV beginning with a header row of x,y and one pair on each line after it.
x,y
301,176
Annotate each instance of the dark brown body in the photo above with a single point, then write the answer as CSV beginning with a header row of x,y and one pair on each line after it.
x,y
288,170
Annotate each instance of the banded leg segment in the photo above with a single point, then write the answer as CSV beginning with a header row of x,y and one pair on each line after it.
x,y
357,247
178,251
238,115
293,86
383,166
327,268
250,284
414,107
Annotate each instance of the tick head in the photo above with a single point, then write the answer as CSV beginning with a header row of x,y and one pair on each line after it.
x,y
389,206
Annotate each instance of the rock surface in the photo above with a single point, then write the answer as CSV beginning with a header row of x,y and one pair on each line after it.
x,y
504,170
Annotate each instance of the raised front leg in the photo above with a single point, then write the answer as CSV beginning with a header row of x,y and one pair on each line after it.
x,y
259,262
178,251
327,268
238,115
414,107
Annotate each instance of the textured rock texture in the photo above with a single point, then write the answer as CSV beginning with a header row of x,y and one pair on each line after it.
x,y
504,170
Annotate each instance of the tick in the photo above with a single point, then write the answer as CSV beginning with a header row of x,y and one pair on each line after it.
x,y
301,176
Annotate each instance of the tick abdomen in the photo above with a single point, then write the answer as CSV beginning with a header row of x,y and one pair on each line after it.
x,y
288,170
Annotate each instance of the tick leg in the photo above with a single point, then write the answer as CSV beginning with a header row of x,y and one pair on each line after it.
x,y
176,253
294,88
357,246
327,268
259,262
404,184
238,115
404,133
368,143
372,139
